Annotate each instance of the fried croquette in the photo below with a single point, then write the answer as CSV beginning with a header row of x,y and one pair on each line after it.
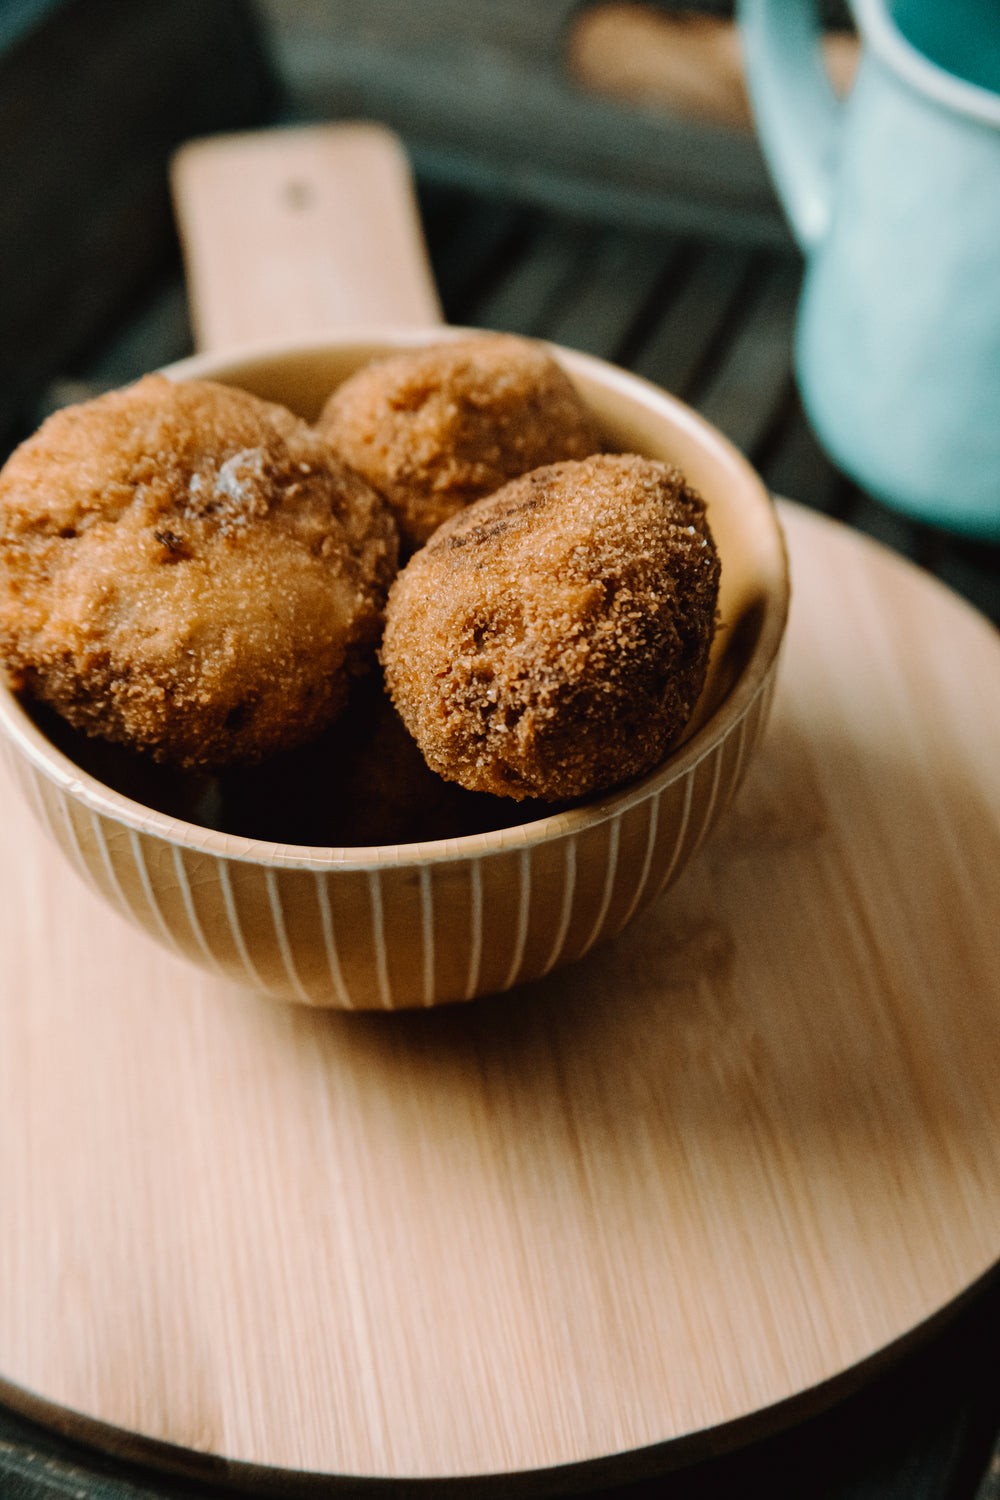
x,y
552,639
434,429
362,782
190,571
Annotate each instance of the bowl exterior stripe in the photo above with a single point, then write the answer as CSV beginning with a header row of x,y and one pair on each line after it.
x,y
199,941
741,734
378,939
119,897
163,932
652,811
523,913
72,842
674,832
340,990
235,928
499,904
281,937
427,932
614,839
711,767
475,927
566,904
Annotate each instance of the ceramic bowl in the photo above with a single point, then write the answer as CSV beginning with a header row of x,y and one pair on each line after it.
x,y
404,925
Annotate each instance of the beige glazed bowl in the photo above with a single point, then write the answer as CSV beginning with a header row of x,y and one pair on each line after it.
x,y
399,926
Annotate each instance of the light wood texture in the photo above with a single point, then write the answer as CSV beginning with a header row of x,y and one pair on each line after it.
x,y
333,203
688,64
751,1143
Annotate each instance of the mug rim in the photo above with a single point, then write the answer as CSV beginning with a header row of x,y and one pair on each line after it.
x,y
887,41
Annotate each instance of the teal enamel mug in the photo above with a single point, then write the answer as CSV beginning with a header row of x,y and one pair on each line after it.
x,y
894,196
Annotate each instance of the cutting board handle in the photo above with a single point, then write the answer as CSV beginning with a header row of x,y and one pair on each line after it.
x,y
297,232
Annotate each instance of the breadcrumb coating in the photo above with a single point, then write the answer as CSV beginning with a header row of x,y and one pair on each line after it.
x,y
190,571
552,639
434,429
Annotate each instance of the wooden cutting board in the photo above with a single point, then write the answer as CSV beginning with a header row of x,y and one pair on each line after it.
x,y
718,1165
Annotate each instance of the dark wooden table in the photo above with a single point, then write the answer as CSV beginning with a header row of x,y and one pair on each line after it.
x,y
711,321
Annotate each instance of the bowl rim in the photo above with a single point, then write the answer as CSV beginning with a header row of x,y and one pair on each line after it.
x,y
21,731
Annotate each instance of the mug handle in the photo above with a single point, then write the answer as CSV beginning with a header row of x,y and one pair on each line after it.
x,y
795,107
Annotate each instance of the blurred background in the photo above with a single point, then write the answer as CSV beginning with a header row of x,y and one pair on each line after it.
x,y
587,172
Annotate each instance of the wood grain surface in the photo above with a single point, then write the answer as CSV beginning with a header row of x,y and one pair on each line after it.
x,y
687,64
749,1145
291,233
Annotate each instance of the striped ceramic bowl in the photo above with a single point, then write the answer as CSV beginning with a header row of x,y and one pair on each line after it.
x,y
420,924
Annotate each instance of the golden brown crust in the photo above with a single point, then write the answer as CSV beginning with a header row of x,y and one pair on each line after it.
x,y
190,571
434,429
552,639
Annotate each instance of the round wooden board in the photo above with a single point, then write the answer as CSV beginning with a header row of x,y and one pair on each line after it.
x,y
720,1162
